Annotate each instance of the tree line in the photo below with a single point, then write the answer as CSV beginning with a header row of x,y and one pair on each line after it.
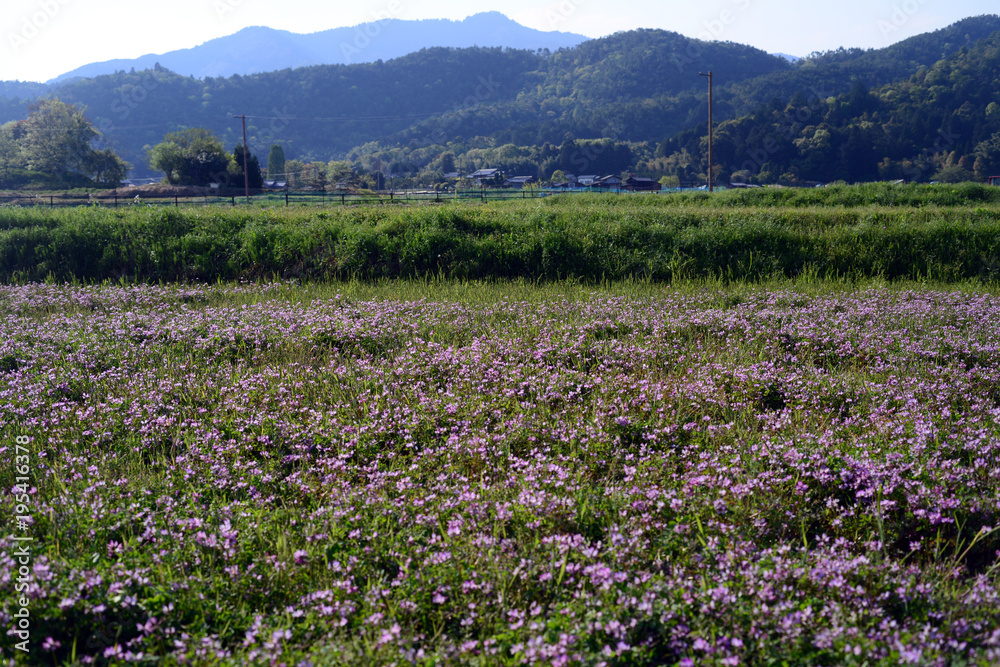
x,y
940,124
197,157
923,109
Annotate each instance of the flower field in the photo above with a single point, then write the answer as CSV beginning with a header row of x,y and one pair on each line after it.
x,y
484,474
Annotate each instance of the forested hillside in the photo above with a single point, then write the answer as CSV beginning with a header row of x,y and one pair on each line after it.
x,y
323,112
835,72
941,123
635,86
315,111
922,109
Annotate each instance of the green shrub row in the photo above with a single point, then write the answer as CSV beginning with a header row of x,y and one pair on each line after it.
x,y
591,239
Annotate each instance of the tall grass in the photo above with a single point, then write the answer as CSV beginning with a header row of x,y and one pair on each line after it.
x,y
866,194
587,238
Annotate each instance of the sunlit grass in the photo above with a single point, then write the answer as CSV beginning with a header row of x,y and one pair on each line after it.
x,y
590,239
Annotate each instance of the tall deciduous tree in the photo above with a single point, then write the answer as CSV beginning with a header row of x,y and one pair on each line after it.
x,y
106,168
191,157
55,139
339,171
168,157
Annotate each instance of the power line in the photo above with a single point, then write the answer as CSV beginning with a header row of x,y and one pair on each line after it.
x,y
338,119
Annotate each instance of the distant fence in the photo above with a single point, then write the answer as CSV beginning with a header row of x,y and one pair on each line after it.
x,y
268,198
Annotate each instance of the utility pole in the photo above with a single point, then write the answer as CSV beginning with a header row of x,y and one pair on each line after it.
x,y
711,155
246,174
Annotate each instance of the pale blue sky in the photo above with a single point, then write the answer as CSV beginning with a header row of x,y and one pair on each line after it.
x,y
40,39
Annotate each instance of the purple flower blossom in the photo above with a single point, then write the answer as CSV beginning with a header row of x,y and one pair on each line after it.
x,y
564,474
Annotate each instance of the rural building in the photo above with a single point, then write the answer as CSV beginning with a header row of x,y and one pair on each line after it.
x,y
483,175
994,180
607,183
639,184
518,182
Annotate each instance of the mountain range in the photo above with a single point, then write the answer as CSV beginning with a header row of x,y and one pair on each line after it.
x,y
261,49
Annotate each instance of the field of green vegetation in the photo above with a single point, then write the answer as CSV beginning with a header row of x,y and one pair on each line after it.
x,y
458,473
913,232
555,465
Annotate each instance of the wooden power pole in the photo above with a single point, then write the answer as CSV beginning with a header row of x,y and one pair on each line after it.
x,y
711,137
246,173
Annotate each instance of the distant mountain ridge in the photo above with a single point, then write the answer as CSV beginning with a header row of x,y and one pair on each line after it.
x,y
260,49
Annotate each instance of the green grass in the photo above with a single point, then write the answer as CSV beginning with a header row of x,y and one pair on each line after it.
x,y
839,195
728,450
943,233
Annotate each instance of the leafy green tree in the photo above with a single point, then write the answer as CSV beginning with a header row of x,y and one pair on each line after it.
x,y
374,180
952,173
987,154
8,150
276,162
319,178
106,168
55,138
448,162
339,171
168,157
191,157
312,175
256,180
293,173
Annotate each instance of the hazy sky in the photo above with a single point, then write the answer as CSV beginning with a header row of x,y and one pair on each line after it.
x,y
44,38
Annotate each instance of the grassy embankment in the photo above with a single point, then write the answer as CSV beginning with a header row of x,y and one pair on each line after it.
x,y
914,232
